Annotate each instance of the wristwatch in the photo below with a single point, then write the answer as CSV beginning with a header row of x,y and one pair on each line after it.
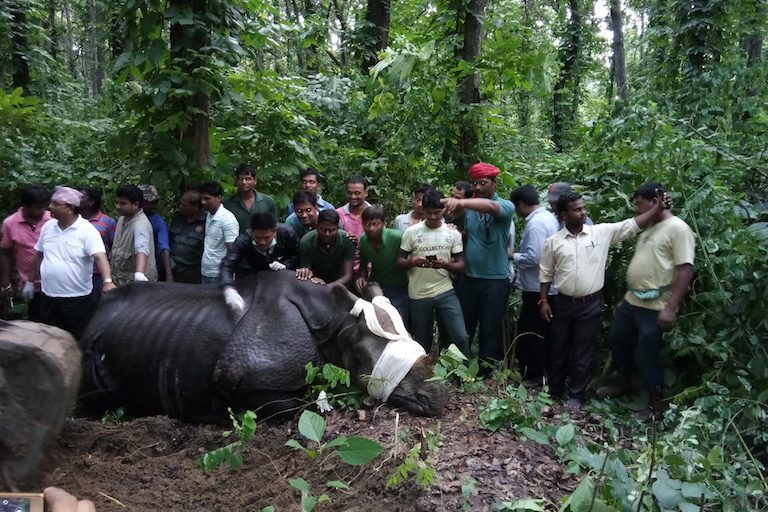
x,y
108,280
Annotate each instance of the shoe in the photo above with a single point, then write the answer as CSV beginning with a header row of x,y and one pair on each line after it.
x,y
618,388
573,405
654,411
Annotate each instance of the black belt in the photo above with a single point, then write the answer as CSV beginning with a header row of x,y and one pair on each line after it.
x,y
580,300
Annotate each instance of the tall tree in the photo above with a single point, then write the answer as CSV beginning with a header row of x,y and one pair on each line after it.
x,y
469,86
566,90
187,39
375,32
19,45
619,61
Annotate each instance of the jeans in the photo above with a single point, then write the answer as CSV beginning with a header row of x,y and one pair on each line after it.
x,y
573,336
210,280
399,298
532,348
448,310
635,341
484,302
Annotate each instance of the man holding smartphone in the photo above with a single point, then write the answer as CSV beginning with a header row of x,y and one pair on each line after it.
x,y
431,251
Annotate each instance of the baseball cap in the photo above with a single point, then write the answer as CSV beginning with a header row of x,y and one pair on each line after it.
x,y
557,189
150,193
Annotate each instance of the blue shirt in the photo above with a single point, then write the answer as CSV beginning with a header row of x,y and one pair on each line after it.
x,y
322,204
487,241
539,225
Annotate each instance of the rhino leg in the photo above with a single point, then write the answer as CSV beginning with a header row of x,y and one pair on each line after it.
x,y
39,377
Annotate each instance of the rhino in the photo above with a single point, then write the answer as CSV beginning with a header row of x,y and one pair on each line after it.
x,y
179,350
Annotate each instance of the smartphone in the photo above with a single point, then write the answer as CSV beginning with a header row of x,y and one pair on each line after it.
x,y
432,257
21,502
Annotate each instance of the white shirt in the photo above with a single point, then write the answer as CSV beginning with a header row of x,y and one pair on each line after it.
x,y
67,266
221,228
577,262
404,221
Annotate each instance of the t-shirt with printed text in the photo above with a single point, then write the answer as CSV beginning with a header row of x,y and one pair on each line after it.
x,y
421,241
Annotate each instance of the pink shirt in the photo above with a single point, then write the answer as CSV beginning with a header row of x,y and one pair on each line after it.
x,y
353,224
20,238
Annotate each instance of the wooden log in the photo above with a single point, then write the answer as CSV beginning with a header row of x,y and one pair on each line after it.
x,y
39,379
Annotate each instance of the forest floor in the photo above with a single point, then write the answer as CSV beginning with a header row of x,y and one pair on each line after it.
x,y
151,464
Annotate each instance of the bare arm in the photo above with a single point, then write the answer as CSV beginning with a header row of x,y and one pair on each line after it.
x,y
165,256
478,204
5,272
346,275
544,308
681,281
34,271
106,271
455,266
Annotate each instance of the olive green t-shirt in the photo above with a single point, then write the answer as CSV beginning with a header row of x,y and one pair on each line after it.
x,y
384,269
263,203
327,264
660,248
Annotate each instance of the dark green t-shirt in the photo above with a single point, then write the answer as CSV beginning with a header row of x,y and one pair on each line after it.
x,y
325,264
262,204
384,269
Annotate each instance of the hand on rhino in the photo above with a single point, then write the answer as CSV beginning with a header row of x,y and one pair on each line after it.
x,y
234,300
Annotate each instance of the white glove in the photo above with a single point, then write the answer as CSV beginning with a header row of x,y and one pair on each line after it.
x,y
234,300
28,291
322,403
139,276
276,265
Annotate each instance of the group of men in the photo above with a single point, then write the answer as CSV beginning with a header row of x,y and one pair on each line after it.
x,y
448,259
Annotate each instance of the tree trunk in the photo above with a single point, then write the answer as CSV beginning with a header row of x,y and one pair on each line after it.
x,y
341,17
752,41
566,87
70,38
53,30
376,32
619,61
186,40
19,46
312,60
469,87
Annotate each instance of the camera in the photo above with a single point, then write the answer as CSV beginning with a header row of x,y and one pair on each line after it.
x,y
21,502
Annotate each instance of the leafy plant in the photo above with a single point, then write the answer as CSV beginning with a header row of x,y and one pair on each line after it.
x,y
116,416
308,500
244,428
417,465
354,450
336,383
452,363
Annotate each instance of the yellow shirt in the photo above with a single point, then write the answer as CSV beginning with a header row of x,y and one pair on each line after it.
x,y
660,248
577,262
421,242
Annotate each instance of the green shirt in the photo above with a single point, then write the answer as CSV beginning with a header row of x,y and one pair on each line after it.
x,y
384,269
325,264
262,204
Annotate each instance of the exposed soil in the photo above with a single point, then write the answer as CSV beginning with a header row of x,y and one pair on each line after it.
x,y
151,464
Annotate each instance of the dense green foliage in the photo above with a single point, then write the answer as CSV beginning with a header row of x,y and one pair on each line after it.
x,y
127,93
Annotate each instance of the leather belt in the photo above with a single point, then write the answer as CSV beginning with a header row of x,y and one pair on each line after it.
x,y
580,300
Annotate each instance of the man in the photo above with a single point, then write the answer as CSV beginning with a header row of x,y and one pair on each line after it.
x,y
484,290
267,246
90,210
221,230
133,250
304,216
21,231
531,329
575,258
658,277
553,194
310,182
187,234
326,254
351,213
248,201
378,259
65,253
431,252
151,197
406,220
460,190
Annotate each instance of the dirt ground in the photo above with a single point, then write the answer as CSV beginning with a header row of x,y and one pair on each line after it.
x,y
151,464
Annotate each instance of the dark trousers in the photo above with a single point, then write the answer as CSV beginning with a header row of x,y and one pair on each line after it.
x,y
98,285
532,344
573,335
635,340
484,302
399,298
34,308
72,314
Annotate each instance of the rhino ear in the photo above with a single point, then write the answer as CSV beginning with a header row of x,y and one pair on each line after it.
x,y
371,290
343,298
434,353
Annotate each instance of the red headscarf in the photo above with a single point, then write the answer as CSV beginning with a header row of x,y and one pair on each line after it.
x,y
482,170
